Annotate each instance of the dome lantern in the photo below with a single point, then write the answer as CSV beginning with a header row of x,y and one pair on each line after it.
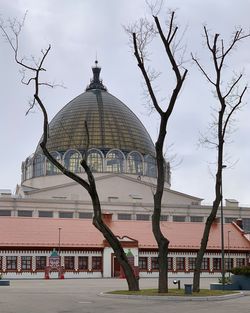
x,y
96,82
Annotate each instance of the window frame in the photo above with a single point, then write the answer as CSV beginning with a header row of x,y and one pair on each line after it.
x,y
97,263
205,265
143,263
69,263
41,265
180,264
124,216
11,263
81,263
216,264
191,263
142,217
154,264
240,262
179,218
170,264
26,263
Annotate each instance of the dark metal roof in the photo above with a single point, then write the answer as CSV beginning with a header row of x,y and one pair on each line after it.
x,y
111,124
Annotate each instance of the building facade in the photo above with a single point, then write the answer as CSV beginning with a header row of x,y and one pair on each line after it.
x,y
28,243
121,155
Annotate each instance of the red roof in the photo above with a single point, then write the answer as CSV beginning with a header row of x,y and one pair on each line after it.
x,y
78,233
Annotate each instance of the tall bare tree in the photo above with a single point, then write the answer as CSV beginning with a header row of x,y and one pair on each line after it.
x,y
142,34
34,70
229,98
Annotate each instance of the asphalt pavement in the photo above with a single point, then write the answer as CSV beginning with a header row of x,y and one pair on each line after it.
x,y
83,296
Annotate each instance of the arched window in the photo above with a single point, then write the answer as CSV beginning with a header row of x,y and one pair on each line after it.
x,y
95,160
150,166
38,165
115,161
134,163
51,169
72,159
167,172
28,168
23,171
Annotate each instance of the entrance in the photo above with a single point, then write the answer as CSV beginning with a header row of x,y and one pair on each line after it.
x,y
115,267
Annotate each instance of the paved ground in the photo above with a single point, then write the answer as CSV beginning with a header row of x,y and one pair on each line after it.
x,y
82,296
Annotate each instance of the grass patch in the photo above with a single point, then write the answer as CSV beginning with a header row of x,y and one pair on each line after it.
x,y
173,292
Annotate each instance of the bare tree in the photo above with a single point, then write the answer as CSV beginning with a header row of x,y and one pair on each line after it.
x,y
142,34
229,98
35,69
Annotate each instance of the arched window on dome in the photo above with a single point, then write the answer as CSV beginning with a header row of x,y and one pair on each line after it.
x,y
135,163
115,161
72,159
51,169
95,160
28,168
150,166
38,165
23,177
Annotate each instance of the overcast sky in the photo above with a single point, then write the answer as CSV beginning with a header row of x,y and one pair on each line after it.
x,y
78,30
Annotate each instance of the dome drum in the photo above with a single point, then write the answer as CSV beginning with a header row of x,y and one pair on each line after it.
x,y
113,161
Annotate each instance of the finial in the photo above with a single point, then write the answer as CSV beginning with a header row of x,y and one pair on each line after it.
x,y
96,82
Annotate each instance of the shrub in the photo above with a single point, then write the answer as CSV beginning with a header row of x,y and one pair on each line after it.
x,y
244,270
227,280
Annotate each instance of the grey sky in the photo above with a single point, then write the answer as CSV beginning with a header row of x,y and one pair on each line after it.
x,y
80,29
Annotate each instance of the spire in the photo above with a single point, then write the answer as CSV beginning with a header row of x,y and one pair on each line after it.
x,y
96,82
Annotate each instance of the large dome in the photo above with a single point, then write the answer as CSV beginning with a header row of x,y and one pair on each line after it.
x,y
100,127
111,124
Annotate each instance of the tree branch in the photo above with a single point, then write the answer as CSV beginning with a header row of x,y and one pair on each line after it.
x,y
145,75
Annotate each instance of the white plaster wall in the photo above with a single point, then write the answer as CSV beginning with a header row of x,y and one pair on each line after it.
x,y
107,261
126,186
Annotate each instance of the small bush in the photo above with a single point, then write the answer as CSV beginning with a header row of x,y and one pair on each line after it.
x,y
244,270
227,280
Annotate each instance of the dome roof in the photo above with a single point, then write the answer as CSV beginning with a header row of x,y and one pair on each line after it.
x,y
110,123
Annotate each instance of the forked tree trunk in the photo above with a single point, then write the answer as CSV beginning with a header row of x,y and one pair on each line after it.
x,y
132,280
167,42
218,198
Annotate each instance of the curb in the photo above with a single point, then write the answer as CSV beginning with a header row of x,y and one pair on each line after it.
x,y
174,298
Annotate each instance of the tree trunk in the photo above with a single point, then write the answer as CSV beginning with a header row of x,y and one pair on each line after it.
x,y
133,283
213,213
132,280
203,246
162,242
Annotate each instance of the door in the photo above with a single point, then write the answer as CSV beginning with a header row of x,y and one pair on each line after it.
x,y
115,267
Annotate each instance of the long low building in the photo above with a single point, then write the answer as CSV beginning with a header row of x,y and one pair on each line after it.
x,y
26,245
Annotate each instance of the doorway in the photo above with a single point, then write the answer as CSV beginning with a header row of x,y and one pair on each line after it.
x,y
115,267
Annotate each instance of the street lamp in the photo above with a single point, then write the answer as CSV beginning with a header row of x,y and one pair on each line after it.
x,y
222,235
228,247
59,242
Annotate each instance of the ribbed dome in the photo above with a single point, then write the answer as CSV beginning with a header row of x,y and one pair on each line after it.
x,y
111,124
